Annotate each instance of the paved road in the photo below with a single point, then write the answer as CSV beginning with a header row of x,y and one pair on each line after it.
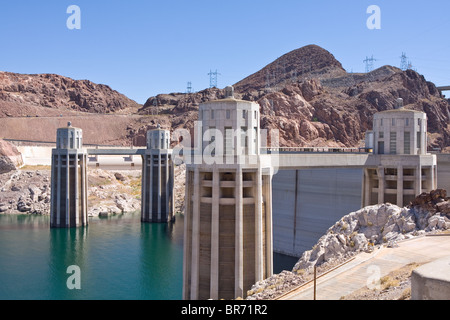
x,y
365,267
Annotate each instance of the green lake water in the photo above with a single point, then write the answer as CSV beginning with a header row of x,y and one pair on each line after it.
x,y
119,258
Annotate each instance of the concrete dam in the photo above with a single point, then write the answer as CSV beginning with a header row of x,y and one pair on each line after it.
x,y
245,200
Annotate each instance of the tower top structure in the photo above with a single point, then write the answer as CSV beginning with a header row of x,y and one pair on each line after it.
x,y
69,137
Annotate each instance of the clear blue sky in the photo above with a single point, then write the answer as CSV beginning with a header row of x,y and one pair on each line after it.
x,y
142,48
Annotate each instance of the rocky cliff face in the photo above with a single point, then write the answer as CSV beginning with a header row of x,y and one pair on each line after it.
x,y
362,231
305,63
10,157
338,111
313,101
305,94
50,95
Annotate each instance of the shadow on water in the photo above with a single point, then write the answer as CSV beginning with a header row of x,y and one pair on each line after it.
x,y
161,260
283,262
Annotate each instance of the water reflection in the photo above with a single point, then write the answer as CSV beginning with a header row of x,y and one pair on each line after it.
x,y
68,247
119,258
161,260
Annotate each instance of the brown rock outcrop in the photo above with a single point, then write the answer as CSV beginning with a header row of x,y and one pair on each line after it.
x,y
51,94
305,94
433,201
10,157
313,101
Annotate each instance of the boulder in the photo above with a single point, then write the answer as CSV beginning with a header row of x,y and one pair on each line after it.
x,y
438,194
359,242
6,165
22,206
383,224
35,192
120,176
333,247
444,207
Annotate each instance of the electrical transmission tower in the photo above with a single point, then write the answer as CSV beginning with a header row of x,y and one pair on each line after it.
x,y
268,81
403,62
189,87
213,79
369,63
406,64
155,109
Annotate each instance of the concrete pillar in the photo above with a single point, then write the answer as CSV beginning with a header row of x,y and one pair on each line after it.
x,y
239,238
433,178
259,254
381,184
159,186
418,180
367,188
400,186
215,236
269,226
187,262
195,253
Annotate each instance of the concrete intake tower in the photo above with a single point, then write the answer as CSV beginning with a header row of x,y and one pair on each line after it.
x,y
69,180
228,218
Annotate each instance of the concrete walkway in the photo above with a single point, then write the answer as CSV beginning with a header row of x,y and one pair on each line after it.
x,y
365,267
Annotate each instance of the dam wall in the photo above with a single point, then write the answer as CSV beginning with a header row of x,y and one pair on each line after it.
x,y
307,202
443,171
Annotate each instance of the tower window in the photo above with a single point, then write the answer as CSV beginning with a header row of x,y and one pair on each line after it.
x,y
393,143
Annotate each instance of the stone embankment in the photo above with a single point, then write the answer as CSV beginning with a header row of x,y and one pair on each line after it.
x,y
109,192
361,231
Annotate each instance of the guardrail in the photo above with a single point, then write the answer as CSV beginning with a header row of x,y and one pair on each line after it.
x,y
270,150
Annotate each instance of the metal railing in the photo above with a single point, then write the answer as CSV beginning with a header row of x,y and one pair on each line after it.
x,y
270,150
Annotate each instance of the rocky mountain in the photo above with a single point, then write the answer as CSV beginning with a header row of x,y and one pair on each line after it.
x,y
305,63
313,101
305,94
51,95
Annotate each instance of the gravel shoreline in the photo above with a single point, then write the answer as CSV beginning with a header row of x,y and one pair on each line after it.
x,y
27,191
